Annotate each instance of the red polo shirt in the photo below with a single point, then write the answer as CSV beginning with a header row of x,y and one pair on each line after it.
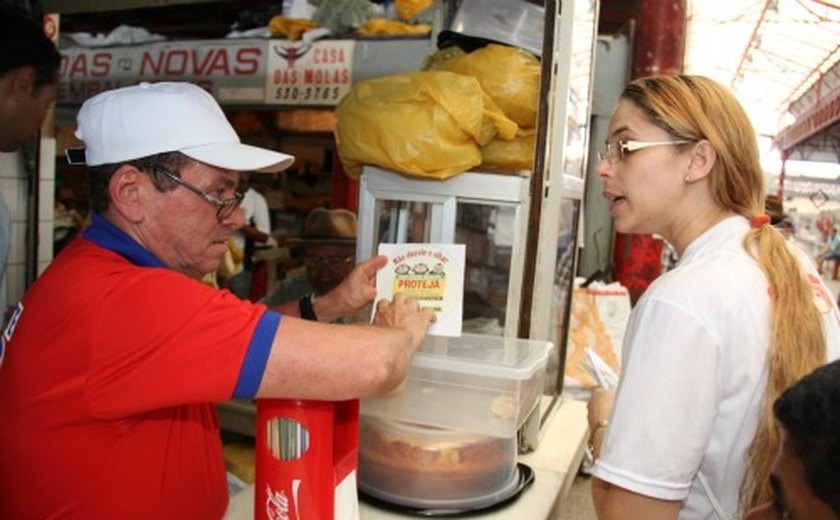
x,y
110,366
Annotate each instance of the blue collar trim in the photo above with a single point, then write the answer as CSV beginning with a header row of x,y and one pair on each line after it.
x,y
109,236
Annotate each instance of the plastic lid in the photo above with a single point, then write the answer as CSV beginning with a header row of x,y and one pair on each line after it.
x,y
513,22
507,358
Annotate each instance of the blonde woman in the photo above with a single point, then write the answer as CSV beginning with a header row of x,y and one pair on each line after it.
x,y
713,342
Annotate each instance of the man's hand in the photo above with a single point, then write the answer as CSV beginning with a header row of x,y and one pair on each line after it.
x,y
404,312
356,291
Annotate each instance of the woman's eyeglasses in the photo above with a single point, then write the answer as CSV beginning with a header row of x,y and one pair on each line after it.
x,y
617,150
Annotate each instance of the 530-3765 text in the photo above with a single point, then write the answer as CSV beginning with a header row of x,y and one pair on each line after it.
x,y
313,93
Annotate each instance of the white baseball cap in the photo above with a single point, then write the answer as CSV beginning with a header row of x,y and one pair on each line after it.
x,y
151,118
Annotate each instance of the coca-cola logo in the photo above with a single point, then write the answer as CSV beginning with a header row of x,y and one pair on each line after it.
x,y
278,506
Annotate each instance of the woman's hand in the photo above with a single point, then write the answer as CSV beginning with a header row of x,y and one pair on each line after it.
x,y
599,411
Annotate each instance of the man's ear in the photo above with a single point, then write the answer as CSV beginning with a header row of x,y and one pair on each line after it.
x,y
23,82
703,157
125,190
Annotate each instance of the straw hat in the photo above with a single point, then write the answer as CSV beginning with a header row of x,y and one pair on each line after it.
x,y
328,226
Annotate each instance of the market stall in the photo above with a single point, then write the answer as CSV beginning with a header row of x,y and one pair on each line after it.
x,y
520,226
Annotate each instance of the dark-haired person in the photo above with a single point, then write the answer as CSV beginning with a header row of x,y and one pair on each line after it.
x,y
806,474
29,65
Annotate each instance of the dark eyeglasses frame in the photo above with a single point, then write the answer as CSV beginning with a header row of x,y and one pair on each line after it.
x,y
224,208
335,261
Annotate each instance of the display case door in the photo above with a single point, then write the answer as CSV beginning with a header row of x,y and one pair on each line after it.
x,y
484,211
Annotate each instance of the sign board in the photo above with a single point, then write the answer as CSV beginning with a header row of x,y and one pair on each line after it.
x,y
249,71
232,70
308,73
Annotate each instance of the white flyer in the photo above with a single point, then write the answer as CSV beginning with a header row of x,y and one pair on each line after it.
x,y
433,274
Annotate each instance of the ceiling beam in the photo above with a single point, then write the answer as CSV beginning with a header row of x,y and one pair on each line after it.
x,y
752,41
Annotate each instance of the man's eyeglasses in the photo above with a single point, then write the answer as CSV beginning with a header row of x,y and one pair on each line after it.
x,y
224,208
617,150
329,261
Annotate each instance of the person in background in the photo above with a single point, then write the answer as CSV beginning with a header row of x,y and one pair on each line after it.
x,y
832,250
329,255
774,207
805,477
29,65
114,357
713,342
67,223
257,230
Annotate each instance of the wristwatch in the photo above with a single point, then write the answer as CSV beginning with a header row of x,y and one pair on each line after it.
x,y
307,311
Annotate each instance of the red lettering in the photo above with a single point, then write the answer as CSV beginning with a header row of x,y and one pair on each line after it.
x,y
101,64
248,61
65,61
220,63
198,69
418,284
172,66
328,56
79,66
155,67
285,76
326,76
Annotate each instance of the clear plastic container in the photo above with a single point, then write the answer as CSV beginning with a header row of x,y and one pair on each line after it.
x,y
473,384
514,22
431,468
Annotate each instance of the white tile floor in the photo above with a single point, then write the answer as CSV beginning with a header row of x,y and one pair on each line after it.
x,y
578,503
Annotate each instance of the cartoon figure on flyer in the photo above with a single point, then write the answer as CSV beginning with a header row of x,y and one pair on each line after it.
x,y
421,283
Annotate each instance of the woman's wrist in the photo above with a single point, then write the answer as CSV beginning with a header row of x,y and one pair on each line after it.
x,y
596,436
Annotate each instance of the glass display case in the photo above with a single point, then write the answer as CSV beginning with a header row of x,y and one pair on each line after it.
x,y
484,211
489,212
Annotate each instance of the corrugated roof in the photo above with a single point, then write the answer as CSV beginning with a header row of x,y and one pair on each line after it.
x,y
770,52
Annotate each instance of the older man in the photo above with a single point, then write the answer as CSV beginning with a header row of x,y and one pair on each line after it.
x,y
329,250
114,357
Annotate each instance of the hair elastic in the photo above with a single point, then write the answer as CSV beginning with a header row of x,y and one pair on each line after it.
x,y
760,220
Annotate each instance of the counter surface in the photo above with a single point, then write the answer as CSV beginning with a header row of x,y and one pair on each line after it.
x,y
555,463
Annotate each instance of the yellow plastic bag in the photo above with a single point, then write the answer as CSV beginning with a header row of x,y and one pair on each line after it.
x,y
408,9
513,155
509,75
381,26
290,28
427,124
